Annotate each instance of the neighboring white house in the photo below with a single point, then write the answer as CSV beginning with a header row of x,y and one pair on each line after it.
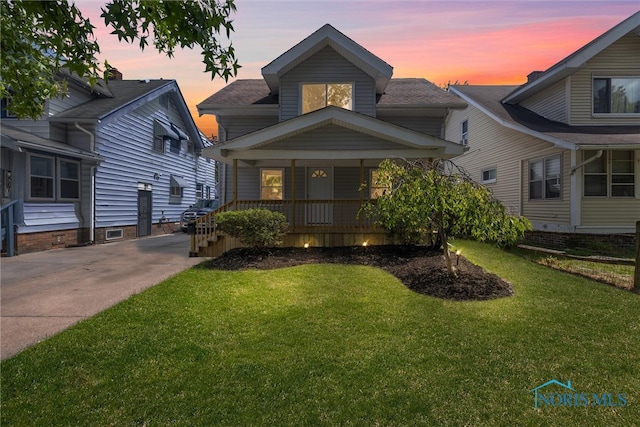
x,y
307,138
113,162
563,149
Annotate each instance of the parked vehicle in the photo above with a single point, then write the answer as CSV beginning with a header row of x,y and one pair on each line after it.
x,y
199,209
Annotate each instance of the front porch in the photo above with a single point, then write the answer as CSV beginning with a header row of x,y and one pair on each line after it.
x,y
312,223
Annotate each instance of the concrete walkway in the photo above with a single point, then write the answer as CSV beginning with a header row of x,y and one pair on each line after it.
x,y
43,293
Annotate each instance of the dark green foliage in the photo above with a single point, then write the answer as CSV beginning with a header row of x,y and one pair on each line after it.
x,y
259,228
423,196
41,37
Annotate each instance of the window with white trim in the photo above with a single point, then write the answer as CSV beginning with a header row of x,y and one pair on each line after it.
x,y
271,184
319,95
68,180
489,176
377,188
610,175
545,178
41,177
464,132
176,189
616,95
52,178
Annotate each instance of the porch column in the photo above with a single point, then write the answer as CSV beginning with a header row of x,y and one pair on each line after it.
x,y
293,195
235,184
362,190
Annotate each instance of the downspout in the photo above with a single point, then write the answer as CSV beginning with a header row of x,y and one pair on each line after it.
x,y
92,189
589,160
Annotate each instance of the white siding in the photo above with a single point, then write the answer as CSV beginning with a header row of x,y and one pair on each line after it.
x,y
493,146
550,103
620,59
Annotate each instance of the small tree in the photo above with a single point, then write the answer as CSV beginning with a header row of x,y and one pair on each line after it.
x,y
424,196
258,228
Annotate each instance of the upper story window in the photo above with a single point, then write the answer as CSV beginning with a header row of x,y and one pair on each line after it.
x,y
544,178
610,175
319,95
616,95
464,132
5,112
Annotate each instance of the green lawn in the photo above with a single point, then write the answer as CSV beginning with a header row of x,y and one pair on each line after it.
x,y
336,345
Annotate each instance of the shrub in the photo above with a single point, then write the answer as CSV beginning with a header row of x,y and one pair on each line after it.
x,y
258,228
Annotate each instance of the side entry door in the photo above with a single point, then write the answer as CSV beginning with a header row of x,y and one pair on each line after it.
x,y
144,213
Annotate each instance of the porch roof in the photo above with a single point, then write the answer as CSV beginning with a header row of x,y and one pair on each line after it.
x,y
16,139
403,142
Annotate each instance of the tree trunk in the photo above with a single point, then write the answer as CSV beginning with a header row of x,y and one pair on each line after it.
x,y
447,255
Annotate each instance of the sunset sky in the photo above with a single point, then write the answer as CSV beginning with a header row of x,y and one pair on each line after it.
x,y
481,42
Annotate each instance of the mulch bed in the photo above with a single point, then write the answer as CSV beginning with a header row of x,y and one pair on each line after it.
x,y
421,269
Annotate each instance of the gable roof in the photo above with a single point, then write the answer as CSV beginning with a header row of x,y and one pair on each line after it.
x,y
576,60
122,94
125,96
405,92
488,100
417,92
413,144
327,35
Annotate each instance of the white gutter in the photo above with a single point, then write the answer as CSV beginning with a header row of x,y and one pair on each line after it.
x,y
92,189
589,160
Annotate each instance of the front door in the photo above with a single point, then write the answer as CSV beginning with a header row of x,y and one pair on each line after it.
x,y
144,213
320,188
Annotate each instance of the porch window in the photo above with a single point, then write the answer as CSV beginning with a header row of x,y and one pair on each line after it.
x,y
616,95
68,180
612,174
319,95
271,184
544,178
376,189
41,177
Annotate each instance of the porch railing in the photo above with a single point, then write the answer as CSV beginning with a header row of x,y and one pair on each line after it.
x,y
303,216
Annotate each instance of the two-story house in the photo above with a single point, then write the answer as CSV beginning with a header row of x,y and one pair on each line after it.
x,y
119,160
563,149
307,138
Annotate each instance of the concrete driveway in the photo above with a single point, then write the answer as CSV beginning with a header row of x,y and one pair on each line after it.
x,y
43,293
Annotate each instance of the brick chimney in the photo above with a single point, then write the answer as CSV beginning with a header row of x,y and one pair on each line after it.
x,y
114,74
532,76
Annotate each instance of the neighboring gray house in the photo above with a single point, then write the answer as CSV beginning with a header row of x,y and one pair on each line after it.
x,y
118,161
307,138
564,148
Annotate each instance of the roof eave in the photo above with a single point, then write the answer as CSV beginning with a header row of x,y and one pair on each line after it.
x,y
560,143
576,60
238,110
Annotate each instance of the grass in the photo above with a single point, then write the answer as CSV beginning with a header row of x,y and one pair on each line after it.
x,y
335,345
612,274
